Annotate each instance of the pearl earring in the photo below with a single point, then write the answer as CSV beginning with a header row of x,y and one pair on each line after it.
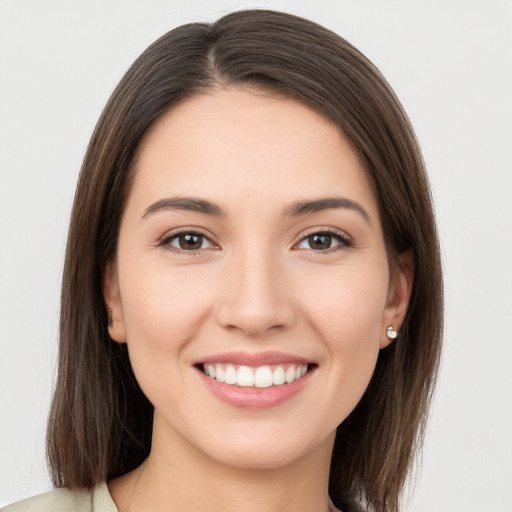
x,y
391,333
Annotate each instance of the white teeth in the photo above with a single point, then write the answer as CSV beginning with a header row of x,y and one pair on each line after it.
x,y
263,377
245,377
260,377
230,375
289,376
278,376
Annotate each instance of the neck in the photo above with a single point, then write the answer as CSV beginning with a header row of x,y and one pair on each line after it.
x,y
178,477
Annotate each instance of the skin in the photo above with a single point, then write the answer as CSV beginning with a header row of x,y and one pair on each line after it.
x,y
256,284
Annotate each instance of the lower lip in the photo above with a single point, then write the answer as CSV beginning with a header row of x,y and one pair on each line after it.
x,y
252,397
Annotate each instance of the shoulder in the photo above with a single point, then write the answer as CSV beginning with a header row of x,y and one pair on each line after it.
x,y
64,500
57,500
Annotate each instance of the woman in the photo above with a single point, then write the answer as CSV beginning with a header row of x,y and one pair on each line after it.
x,y
252,298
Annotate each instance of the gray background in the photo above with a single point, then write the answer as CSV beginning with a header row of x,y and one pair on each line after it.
x,y
450,63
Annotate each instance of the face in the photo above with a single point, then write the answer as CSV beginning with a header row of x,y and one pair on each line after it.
x,y
251,282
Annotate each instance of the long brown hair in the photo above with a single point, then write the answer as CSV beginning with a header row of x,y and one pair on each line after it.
x,y
100,422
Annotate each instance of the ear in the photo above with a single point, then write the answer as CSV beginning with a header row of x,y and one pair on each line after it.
x,y
399,294
112,297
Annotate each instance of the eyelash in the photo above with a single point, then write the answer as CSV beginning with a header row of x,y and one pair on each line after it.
x,y
165,242
344,241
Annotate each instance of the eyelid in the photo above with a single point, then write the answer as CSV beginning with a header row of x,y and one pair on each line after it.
x,y
192,230
346,240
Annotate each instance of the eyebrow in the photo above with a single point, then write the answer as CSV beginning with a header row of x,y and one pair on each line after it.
x,y
185,203
296,209
325,203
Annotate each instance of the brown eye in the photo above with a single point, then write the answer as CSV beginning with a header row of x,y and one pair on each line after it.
x,y
320,241
186,241
190,241
325,241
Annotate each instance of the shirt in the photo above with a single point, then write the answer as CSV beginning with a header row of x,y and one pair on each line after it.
x,y
64,500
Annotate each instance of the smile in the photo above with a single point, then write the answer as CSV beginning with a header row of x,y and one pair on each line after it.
x,y
258,377
255,381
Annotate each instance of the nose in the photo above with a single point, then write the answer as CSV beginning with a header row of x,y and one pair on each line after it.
x,y
255,300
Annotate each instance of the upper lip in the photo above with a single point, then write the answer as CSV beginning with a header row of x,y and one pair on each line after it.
x,y
254,359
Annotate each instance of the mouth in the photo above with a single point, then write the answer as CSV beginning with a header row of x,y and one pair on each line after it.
x,y
265,376
255,381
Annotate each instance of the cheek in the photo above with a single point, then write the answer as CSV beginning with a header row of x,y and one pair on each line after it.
x,y
161,310
348,320
159,301
347,304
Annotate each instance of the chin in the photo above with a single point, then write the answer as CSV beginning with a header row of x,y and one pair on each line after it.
x,y
267,452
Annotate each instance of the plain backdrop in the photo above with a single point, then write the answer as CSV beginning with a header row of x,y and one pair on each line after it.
x,y
450,63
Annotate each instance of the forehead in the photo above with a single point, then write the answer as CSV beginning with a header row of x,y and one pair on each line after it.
x,y
239,145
